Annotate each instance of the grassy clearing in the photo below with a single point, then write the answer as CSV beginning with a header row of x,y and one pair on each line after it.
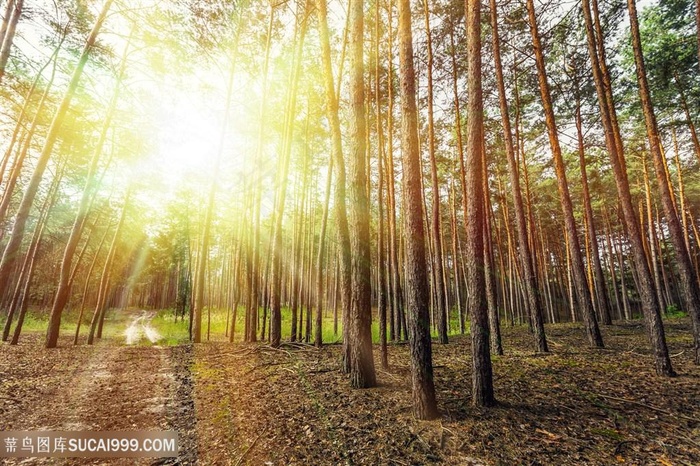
x,y
37,320
214,323
176,331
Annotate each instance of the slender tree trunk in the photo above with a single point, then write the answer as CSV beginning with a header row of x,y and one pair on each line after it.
x,y
582,290
482,375
362,373
650,302
318,336
681,194
395,290
437,252
101,307
9,34
653,251
417,298
490,283
343,272
533,303
381,269
600,288
456,260
21,295
686,111
460,157
7,15
275,303
20,125
25,145
202,262
87,285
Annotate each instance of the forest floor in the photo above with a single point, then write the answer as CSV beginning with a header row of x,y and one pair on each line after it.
x,y
251,404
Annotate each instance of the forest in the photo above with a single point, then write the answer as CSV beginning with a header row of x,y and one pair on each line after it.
x,y
382,232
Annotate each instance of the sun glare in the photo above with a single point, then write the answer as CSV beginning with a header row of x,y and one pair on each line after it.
x,y
187,125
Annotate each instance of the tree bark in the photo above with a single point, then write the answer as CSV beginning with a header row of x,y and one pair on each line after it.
x,y
437,250
381,264
533,303
339,200
599,280
8,35
482,373
582,291
415,266
362,373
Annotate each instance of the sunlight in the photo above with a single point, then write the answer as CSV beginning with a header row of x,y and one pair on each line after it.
x,y
187,137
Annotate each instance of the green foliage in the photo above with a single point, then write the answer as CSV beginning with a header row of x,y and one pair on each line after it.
x,y
674,312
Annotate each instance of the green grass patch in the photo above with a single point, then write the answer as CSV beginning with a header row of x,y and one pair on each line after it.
x,y
215,322
214,326
612,434
37,320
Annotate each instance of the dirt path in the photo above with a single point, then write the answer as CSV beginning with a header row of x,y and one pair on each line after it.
x,y
106,387
140,327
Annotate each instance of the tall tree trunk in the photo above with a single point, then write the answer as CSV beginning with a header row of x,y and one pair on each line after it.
x,y
340,190
7,15
395,289
600,288
318,335
582,290
456,260
275,303
651,228
533,302
681,193
101,306
381,264
21,294
650,302
489,273
437,252
8,35
362,373
87,285
20,125
482,373
417,298
209,213
688,117
25,145
690,289
460,156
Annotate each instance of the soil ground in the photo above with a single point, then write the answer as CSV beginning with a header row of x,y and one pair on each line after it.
x,y
251,404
